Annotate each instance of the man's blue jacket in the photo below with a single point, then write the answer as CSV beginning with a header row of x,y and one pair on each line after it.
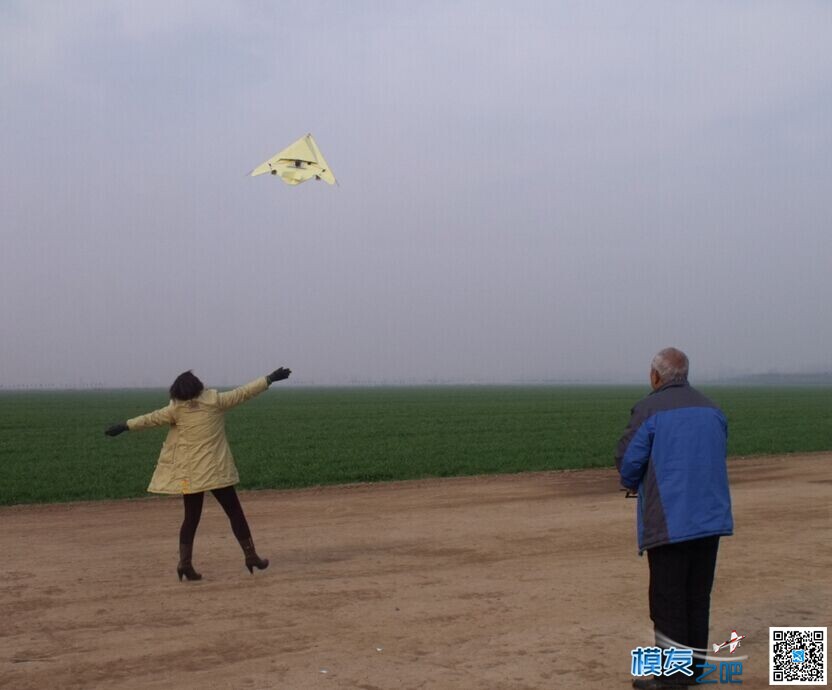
x,y
673,452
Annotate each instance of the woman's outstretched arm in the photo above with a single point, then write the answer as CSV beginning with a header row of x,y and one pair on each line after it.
x,y
239,395
159,417
145,421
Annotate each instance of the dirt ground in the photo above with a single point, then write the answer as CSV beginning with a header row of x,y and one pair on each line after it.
x,y
522,581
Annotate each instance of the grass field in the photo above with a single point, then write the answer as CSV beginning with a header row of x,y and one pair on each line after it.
x,y
53,447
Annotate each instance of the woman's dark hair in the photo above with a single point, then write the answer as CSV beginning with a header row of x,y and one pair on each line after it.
x,y
186,387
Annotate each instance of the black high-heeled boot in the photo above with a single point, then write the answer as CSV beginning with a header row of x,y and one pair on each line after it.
x,y
252,559
185,569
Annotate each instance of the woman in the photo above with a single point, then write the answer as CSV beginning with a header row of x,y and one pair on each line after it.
x,y
195,458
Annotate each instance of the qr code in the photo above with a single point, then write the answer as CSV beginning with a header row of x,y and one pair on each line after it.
x,y
797,656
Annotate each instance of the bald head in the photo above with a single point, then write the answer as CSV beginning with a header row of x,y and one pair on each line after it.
x,y
669,365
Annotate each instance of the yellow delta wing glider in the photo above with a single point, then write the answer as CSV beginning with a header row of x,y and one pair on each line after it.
x,y
297,163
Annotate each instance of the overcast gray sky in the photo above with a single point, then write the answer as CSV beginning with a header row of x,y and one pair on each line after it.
x,y
534,190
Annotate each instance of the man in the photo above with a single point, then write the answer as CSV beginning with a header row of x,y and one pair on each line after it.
x,y
673,455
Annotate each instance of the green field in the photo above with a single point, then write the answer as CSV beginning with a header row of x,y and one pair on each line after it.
x,y
53,447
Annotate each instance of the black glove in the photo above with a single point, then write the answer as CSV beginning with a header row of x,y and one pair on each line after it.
x,y
116,429
278,375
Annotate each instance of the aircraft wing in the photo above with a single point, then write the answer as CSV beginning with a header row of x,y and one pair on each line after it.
x,y
325,174
735,641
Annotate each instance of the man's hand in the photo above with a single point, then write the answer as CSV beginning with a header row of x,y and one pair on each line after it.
x,y
278,375
117,429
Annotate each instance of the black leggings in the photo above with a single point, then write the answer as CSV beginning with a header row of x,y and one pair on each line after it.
x,y
227,498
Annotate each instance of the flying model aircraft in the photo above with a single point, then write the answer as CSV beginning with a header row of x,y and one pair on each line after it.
x,y
733,643
298,162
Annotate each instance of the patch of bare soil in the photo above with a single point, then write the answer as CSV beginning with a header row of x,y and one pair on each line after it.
x,y
515,582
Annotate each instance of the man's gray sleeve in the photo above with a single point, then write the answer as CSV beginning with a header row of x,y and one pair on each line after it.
x,y
638,415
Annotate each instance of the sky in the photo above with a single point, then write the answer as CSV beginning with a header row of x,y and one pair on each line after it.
x,y
534,191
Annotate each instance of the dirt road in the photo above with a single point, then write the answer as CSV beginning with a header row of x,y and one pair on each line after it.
x,y
523,581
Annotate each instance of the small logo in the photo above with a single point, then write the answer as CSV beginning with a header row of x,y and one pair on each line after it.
x,y
732,643
798,656
648,661
693,663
